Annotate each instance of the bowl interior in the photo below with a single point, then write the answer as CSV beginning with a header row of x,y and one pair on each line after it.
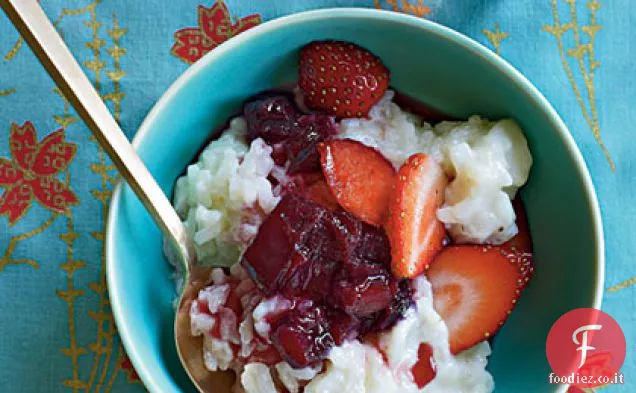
x,y
429,62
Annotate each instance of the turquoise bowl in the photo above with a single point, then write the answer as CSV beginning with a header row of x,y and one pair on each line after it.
x,y
430,62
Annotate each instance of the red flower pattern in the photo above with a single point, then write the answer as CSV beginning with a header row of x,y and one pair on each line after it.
x,y
215,27
31,173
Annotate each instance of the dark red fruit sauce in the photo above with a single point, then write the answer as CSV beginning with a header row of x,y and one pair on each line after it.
x,y
334,267
294,135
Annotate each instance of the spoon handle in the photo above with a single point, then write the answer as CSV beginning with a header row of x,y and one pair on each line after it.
x,y
33,24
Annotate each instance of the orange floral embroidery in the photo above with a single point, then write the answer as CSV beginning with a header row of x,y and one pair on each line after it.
x,y
32,172
215,27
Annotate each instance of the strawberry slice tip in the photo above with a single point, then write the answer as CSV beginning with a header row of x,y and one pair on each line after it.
x,y
415,233
475,288
320,193
359,177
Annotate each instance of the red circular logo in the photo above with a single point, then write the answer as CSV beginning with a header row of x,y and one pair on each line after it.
x,y
586,349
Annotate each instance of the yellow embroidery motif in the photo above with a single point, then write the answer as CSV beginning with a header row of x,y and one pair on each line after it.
x,y
70,266
418,9
15,240
20,41
583,55
66,119
622,285
4,93
495,37
104,343
14,51
10,55
103,371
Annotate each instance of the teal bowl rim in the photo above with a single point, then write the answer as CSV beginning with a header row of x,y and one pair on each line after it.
x,y
441,31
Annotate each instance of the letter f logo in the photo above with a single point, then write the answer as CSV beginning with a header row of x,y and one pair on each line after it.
x,y
584,347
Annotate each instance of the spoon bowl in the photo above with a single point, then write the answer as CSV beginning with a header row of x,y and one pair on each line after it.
x,y
189,347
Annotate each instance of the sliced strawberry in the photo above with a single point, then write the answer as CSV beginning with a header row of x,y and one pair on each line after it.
x,y
522,242
341,78
359,177
424,370
415,233
320,193
475,288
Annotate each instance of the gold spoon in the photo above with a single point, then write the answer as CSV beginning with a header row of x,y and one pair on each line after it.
x,y
33,24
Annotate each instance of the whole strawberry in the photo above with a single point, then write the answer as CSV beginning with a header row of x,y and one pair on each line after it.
x,y
341,78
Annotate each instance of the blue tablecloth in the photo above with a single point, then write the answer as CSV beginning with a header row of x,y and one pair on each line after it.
x,y
56,330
